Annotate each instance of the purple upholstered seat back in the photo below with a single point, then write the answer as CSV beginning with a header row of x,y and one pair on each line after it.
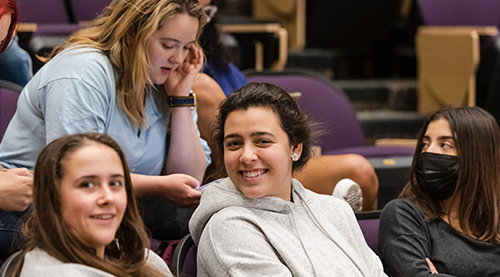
x,y
87,10
51,16
56,29
369,151
368,222
369,227
8,106
323,102
189,268
460,12
42,11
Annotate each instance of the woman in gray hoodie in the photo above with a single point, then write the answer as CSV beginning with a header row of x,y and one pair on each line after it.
x,y
261,221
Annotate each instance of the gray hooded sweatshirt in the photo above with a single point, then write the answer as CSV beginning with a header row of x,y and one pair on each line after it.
x,y
315,235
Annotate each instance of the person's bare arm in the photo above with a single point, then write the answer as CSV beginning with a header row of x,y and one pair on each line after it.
x,y
209,95
177,188
186,154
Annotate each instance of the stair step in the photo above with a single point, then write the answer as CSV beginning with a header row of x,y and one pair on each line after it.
x,y
392,94
390,124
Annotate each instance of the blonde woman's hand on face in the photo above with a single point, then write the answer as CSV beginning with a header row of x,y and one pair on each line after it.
x,y
180,81
16,188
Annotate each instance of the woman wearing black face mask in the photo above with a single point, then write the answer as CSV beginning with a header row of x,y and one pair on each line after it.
x,y
447,219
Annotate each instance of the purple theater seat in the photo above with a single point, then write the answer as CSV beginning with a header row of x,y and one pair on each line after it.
x,y
43,11
326,103
374,152
55,21
88,10
460,12
189,269
368,222
154,244
55,29
53,17
183,256
9,93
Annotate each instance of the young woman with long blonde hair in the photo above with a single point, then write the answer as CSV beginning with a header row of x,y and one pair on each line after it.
x,y
129,75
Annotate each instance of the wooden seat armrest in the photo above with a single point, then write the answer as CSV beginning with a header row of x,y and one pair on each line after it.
x,y
25,27
396,142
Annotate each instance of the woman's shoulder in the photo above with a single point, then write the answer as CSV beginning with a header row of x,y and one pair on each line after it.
x,y
39,263
39,256
80,55
80,69
157,262
402,212
85,63
402,205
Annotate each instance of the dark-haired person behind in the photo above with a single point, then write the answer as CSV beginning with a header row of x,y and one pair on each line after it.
x,y
219,64
260,221
447,220
85,220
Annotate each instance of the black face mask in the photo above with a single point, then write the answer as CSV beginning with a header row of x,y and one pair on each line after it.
x,y
437,174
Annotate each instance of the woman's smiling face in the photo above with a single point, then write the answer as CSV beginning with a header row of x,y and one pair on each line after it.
x,y
93,195
258,153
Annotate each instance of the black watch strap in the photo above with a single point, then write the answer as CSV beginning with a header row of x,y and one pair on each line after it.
x,y
182,101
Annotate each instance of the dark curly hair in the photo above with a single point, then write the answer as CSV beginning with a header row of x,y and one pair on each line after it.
x,y
294,123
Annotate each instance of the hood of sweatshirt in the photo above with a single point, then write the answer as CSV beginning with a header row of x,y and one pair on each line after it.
x,y
223,194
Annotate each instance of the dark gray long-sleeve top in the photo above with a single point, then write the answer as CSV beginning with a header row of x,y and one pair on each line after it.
x,y
406,239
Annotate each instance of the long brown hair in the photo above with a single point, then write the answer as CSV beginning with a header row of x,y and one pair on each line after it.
x,y
122,32
8,7
47,230
477,140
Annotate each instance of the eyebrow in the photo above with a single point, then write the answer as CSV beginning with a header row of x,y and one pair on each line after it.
x,y
441,137
118,175
254,134
175,40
